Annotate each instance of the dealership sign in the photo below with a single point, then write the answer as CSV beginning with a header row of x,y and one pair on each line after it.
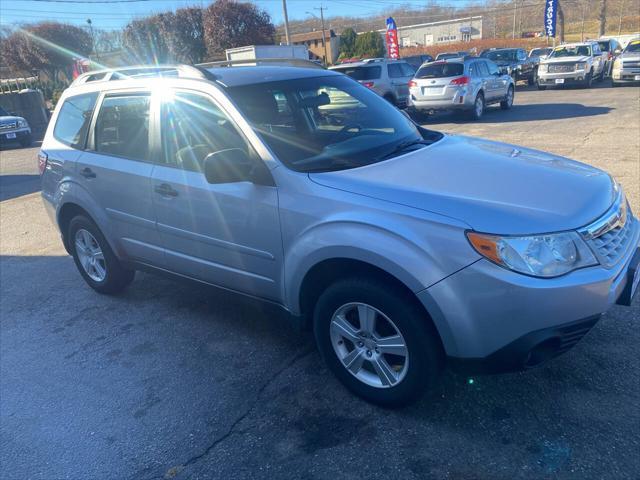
x,y
550,14
392,38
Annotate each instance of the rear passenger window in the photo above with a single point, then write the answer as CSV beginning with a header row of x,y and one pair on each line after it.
x,y
122,126
407,70
73,120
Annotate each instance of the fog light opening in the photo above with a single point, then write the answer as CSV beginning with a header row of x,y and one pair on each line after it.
x,y
542,352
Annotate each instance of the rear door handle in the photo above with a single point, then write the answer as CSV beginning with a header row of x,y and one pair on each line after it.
x,y
87,173
166,190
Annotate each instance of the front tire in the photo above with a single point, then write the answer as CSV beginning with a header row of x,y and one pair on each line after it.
x,y
588,80
94,258
377,341
507,103
478,107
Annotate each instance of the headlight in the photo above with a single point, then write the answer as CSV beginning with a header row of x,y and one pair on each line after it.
x,y
22,124
581,65
543,67
617,63
549,255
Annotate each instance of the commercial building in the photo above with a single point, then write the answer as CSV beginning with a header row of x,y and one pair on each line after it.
x,y
313,41
436,33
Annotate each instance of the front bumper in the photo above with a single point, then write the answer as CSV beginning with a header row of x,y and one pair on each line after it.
x,y
490,316
625,75
14,135
576,77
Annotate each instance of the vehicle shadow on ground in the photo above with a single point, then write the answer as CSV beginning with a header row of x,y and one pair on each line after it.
x,y
524,113
12,186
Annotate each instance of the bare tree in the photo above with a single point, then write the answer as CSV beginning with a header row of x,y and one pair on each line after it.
x,y
603,17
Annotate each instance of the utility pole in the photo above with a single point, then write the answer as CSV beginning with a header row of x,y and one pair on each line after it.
x,y
603,18
93,41
582,27
515,11
324,41
286,21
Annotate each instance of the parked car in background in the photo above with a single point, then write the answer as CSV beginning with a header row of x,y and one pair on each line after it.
x,y
14,129
537,54
448,55
403,249
417,60
467,85
611,49
626,67
388,78
515,62
572,64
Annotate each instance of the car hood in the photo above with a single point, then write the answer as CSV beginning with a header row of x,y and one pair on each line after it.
x,y
583,58
630,56
493,187
9,119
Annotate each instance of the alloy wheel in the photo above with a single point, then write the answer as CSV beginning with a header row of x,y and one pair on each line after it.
x,y
90,255
369,345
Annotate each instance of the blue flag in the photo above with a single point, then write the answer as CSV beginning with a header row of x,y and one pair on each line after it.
x,y
550,14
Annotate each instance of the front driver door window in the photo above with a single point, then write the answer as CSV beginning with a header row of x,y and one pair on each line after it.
x,y
227,234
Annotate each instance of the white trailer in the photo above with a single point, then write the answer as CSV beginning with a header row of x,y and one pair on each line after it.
x,y
256,52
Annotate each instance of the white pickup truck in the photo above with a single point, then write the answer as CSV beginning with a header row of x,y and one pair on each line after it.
x,y
572,64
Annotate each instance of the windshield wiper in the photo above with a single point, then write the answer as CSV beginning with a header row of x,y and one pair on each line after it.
x,y
401,147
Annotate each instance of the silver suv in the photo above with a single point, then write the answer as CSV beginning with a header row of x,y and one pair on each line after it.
x,y
467,85
388,78
404,249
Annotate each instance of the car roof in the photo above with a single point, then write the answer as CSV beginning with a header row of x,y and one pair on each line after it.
x,y
245,75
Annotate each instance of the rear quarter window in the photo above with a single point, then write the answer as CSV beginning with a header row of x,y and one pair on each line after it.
x,y
440,70
73,120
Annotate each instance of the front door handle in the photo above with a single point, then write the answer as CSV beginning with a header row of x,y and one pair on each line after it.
x,y
166,190
87,173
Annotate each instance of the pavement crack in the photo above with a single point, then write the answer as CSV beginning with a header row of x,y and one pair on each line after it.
x,y
232,428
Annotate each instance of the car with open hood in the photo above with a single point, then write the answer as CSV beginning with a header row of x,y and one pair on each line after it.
x,y
403,249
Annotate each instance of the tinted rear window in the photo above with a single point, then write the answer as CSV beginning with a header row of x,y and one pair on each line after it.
x,y
362,73
74,118
440,70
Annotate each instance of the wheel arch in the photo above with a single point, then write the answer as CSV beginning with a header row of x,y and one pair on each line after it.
x,y
330,270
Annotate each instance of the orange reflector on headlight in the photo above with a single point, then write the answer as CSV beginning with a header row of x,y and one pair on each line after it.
x,y
485,245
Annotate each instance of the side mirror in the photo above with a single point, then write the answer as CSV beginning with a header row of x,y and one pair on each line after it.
x,y
234,165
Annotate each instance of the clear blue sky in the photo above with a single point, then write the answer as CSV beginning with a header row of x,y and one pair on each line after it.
x,y
114,15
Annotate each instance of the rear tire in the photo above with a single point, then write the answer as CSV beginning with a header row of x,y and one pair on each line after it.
x,y
380,377
94,258
531,80
390,98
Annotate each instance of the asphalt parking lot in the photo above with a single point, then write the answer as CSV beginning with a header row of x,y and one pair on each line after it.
x,y
173,380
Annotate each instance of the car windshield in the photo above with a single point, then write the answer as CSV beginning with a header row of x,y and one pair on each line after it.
x,y
361,73
538,52
440,70
501,55
444,56
571,51
3,112
633,47
327,123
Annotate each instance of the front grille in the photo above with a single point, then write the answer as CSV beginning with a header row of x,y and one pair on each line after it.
x,y
612,245
8,126
631,64
562,67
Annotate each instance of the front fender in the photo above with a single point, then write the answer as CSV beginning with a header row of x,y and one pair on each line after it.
x,y
398,252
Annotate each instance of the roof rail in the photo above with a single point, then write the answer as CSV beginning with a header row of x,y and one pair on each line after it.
x,y
300,62
140,71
